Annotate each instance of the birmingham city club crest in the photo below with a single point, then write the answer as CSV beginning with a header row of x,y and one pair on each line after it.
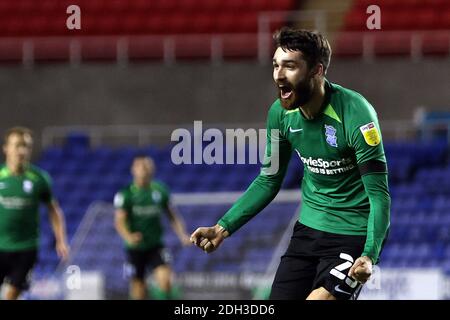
x,y
27,186
330,133
156,196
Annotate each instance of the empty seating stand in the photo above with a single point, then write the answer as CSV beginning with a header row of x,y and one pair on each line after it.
x,y
407,27
146,24
419,177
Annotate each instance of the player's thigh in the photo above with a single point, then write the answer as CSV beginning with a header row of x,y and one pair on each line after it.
x,y
20,274
159,261
295,274
4,265
332,272
297,270
320,294
294,278
136,264
163,274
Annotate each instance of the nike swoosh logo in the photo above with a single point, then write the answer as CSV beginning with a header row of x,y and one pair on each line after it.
x,y
342,291
294,130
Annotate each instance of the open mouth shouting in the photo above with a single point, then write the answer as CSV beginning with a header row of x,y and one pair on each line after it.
x,y
286,91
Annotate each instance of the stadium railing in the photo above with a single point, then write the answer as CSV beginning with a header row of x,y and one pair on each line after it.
x,y
367,45
142,135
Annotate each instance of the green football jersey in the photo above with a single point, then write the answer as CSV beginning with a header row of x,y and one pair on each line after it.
x,y
144,208
20,196
331,146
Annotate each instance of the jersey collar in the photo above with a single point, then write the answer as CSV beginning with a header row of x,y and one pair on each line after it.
x,y
136,188
5,172
326,101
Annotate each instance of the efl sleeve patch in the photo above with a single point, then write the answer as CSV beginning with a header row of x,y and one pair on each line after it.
x,y
371,134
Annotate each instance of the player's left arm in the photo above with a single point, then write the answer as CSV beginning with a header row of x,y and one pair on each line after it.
x,y
178,225
56,217
176,221
367,142
376,186
57,221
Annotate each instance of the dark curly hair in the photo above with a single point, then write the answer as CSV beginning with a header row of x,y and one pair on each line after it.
x,y
313,45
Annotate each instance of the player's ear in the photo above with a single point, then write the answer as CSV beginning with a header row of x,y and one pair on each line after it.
x,y
318,70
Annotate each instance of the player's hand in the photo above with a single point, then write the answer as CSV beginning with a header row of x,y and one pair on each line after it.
x,y
209,238
361,269
134,238
62,250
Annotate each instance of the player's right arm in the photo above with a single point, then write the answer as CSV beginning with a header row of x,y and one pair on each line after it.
x,y
120,221
56,217
57,221
209,238
261,191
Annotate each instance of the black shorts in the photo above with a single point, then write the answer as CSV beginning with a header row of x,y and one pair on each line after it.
x,y
16,267
142,260
317,259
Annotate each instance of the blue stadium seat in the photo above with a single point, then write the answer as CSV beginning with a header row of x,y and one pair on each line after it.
x,y
420,210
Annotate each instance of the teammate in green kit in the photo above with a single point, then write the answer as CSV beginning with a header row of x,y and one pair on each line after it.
x,y
345,210
22,188
139,208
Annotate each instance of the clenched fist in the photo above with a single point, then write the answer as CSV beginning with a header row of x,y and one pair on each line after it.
x,y
209,238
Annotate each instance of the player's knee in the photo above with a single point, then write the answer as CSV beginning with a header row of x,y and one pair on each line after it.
x,y
164,283
163,275
137,289
320,294
12,293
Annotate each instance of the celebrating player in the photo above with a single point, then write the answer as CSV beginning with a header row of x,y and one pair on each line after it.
x,y
345,211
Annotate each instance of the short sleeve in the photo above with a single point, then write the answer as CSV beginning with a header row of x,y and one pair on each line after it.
x,y
121,201
165,195
46,195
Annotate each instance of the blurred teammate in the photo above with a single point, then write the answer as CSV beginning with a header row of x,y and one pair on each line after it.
x,y
344,217
139,208
22,188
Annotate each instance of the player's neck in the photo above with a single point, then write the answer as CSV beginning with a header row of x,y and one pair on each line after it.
x,y
314,106
15,168
141,183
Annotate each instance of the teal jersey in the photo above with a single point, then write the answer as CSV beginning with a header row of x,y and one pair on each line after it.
x,y
144,208
20,197
332,146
